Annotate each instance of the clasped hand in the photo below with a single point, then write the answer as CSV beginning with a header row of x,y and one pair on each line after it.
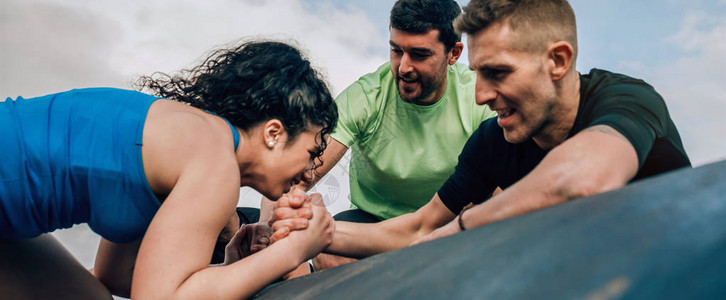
x,y
303,218
248,240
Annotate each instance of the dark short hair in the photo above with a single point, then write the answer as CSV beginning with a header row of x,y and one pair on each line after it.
x,y
538,22
252,83
420,16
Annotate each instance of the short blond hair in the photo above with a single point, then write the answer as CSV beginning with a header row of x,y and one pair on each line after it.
x,y
536,22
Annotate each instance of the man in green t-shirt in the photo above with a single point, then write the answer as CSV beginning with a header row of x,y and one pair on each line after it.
x,y
407,121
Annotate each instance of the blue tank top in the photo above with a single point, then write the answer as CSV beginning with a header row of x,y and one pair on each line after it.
x,y
75,157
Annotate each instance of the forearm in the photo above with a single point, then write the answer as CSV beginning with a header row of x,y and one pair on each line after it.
x,y
245,277
591,164
239,280
533,192
114,266
362,240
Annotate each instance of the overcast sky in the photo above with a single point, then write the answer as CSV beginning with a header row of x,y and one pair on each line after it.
x,y
53,45
49,46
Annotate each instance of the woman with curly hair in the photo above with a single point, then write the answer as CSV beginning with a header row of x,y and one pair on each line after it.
x,y
158,177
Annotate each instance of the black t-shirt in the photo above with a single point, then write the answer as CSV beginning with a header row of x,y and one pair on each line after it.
x,y
628,105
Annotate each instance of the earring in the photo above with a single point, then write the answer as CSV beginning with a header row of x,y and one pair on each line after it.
x,y
270,144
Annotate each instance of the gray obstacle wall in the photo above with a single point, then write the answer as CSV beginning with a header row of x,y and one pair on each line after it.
x,y
661,238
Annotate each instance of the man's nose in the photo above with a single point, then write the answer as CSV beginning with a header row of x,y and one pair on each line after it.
x,y
405,67
484,91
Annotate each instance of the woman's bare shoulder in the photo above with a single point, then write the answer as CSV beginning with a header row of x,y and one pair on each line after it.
x,y
177,136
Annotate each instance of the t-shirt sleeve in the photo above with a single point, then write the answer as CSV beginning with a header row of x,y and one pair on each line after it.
x,y
636,111
468,182
352,114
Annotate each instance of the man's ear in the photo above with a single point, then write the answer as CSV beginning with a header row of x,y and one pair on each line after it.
x,y
559,56
455,53
273,131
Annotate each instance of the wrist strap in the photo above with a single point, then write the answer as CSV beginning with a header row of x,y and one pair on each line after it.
x,y
311,265
461,223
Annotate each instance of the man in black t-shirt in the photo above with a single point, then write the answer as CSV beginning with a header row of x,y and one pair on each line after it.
x,y
608,102
559,135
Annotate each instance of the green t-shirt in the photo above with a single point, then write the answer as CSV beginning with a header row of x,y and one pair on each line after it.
x,y
401,152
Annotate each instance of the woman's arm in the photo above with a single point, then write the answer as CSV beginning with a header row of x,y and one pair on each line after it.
x,y
169,264
173,260
114,266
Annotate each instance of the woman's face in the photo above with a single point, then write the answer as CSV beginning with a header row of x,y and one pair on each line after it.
x,y
290,162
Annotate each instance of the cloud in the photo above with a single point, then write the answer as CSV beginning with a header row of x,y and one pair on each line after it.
x,y
39,50
50,46
693,85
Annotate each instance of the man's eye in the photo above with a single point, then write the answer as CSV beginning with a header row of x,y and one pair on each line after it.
x,y
495,74
396,50
419,56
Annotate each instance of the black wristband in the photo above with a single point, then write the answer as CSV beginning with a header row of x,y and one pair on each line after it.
x,y
461,223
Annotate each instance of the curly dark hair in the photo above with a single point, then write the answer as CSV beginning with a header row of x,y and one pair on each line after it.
x,y
252,83
420,16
